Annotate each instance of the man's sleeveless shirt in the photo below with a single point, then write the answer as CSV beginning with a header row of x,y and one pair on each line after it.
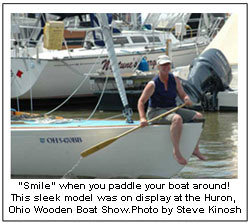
x,y
161,97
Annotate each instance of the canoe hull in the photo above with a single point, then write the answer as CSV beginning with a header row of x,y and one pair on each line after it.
x,y
145,152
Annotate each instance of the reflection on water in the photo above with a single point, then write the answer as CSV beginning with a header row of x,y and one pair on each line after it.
x,y
219,143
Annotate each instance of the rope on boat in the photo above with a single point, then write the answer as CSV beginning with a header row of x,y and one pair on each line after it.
x,y
69,174
86,76
66,46
99,100
68,97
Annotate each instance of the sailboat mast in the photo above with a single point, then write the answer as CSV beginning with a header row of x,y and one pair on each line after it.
x,y
102,17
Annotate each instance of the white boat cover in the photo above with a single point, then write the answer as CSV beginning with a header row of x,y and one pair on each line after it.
x,y
166,20
227,40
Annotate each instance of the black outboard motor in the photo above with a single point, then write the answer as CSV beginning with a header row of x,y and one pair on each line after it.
x,y
209,73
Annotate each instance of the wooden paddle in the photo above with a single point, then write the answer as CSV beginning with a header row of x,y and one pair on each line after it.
x,y
107,142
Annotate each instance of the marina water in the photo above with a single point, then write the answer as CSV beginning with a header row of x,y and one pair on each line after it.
x,y
219,143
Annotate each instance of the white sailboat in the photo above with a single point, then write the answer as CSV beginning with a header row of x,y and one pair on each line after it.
x,y
40,149
64,69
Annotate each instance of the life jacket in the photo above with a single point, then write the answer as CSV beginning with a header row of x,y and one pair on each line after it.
x,y
161,97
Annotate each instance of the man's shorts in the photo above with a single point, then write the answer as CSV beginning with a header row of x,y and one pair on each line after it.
x,y
186,114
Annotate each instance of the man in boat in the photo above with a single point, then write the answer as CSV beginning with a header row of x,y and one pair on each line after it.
x,y
161,92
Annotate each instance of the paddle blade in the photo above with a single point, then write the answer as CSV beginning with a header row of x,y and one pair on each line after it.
x,y
97,147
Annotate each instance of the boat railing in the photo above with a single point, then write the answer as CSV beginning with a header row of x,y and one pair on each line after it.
x,y
208,31
216,27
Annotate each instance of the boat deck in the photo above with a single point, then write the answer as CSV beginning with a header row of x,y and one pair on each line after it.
x,y
64,123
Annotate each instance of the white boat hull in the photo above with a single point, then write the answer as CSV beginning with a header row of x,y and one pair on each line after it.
x,y
227,100
24,74
62,76
54,151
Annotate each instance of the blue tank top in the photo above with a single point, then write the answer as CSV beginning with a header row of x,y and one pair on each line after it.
x,y
161,97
